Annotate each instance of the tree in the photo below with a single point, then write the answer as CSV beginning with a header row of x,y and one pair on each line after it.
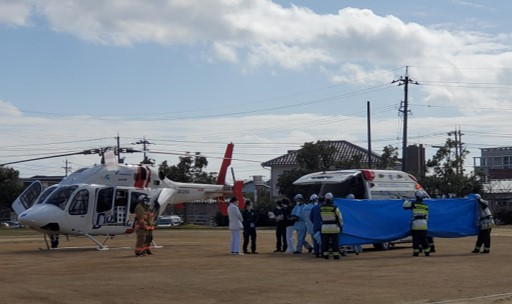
x,y
189,170
389,158
288,189
355,161
10,188
316,157
445,174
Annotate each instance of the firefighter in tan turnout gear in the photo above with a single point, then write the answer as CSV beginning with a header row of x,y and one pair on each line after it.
x,y
150,225
140,226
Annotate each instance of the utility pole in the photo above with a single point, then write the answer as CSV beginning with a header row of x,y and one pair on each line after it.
x,y
66,168
145,145
405,82
118,149
458,150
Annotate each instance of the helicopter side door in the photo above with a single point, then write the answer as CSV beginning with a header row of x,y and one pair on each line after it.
x,y
103,213
79,210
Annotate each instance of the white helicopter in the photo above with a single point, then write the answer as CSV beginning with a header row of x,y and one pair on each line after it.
x,y
100,200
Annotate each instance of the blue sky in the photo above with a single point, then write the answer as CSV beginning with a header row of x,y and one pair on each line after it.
x,y
265,75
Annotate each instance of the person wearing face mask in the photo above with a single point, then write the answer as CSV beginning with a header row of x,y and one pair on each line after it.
x,y
250,218
289,222
313,201
235,225
300,224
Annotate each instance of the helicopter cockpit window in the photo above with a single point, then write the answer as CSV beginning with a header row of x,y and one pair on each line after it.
x,y
80,203
60,196
105,198
46,193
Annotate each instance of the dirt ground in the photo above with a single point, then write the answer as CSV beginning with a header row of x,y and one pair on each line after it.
x,y
194,266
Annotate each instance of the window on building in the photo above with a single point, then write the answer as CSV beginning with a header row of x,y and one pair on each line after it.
x,y
497,162
506,163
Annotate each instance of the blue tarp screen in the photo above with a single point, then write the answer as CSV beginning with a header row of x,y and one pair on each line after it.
x,y
377,221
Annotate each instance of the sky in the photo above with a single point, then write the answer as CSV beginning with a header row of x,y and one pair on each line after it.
x,y
194,75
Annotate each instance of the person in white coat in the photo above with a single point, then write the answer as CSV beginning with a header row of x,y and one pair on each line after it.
x,y
235,225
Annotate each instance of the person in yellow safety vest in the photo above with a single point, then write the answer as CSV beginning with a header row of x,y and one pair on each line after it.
x,y
332,225
419,223
150,226
140,226
485,222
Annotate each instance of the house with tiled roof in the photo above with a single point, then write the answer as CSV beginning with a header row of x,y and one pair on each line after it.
x,y
285,163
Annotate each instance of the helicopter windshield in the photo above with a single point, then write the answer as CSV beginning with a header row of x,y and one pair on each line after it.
x,y
45,194
60,196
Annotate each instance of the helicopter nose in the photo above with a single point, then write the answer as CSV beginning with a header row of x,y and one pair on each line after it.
x,y
43,217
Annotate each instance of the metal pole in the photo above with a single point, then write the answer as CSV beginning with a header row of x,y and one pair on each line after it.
x,y
406,109
369,135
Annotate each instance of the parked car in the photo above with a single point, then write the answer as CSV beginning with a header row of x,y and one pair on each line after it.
x,y
11,224
169,221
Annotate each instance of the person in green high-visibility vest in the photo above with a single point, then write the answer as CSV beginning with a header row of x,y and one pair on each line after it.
x,y
419,223
332,224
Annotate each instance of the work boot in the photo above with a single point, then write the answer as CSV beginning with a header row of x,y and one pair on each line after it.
x,y
148,252
475,251
415,254
486,251
336,257
326,257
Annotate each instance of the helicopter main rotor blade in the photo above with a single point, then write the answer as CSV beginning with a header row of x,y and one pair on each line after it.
x,y
51,156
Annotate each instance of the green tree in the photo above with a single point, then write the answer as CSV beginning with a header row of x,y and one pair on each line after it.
x,y
354,161
317,156
189,170
288,189
445,174
389,158
10,188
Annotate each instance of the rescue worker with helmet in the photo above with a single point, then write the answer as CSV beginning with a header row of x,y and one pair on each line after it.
x,y
308,208
419,223
150,225
300,225
140,226
485,222
332,225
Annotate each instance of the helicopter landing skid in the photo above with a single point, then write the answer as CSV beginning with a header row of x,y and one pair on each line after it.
x,y
154,245
101,246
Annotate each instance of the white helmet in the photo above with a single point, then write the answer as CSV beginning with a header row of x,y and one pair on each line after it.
x,y
351,196
298,197
313,197
329,196
142,197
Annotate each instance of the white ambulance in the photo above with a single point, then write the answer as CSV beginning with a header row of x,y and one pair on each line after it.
x,y
365,184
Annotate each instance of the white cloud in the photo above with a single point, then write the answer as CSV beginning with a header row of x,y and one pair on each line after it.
x,y
15,12
349,45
